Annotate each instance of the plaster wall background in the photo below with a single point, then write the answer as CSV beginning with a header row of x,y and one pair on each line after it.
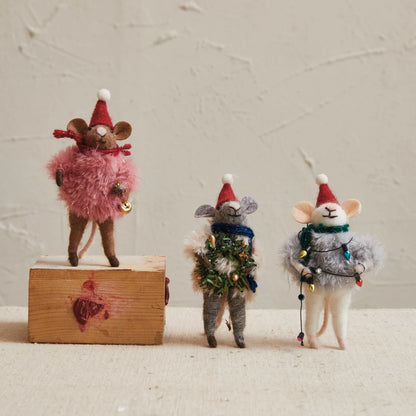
x,y
274,92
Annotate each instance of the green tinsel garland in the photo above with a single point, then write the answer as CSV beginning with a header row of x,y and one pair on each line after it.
x,y
234,249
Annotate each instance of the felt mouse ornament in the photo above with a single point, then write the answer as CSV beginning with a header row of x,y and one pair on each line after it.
x,y
226,261
94,177
328,260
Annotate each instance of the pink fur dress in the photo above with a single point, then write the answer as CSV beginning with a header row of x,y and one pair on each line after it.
x,y
89,179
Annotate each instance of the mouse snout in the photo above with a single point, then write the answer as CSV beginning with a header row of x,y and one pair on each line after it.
x,y
235,205
101,131
234,209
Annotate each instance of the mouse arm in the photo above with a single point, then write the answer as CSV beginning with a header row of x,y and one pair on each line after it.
x,y
367,252
124,180
290,258
59,177
195,244
203,259
118,189
299,267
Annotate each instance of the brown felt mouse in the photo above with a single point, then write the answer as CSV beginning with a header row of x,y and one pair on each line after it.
x,y
94,177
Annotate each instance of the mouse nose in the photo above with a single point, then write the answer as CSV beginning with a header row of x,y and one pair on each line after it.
x,y
235,205
101,131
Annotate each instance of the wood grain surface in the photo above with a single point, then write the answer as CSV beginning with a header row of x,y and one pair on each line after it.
x,y
128,300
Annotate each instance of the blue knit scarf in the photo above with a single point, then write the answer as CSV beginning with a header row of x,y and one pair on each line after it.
x,y
243,230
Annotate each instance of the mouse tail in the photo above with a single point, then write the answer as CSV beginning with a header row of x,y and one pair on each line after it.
x,y
325,322
90,240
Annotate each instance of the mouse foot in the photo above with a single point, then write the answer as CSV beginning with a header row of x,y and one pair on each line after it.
x,y
239,340
113,261
212,342
341,344
313,342
73,259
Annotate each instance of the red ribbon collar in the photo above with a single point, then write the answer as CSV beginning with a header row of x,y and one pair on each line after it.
x,y
84,148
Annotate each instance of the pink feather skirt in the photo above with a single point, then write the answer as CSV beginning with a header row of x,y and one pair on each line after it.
x,y
89,179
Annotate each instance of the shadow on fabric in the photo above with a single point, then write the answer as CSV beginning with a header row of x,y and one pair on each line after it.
x,y
13,332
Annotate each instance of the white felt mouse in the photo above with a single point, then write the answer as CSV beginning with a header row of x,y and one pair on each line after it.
x,y
329,259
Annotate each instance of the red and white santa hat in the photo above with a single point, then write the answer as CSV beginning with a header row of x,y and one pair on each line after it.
x,y
100,114
325,194
226,193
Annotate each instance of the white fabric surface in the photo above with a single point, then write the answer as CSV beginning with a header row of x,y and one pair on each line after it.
x,y
376,375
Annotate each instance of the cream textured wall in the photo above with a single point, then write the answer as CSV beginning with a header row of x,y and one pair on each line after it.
x,y
272,91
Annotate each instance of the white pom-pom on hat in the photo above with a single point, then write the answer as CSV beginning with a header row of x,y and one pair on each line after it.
x,y
104,95
322,179
227,178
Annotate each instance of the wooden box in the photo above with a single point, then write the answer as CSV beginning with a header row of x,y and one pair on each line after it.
x,y
95,303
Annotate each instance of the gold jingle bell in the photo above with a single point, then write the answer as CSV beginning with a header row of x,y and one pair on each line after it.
x,y
311,288
211,239
303,254
125,207
235,277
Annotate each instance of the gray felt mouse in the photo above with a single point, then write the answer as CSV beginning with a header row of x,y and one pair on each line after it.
x,y
226,261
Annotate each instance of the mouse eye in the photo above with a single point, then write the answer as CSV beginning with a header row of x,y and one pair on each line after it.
x,y
112,131
89,128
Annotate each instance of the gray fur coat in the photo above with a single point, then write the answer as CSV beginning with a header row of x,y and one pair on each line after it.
x,y
365,250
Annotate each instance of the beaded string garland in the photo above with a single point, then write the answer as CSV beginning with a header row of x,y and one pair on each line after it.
x,y
305,238
225,241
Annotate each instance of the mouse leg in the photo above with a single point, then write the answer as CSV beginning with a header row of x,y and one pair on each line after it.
x,y
314,306
339,303
107,237
237,306
77,225
212,305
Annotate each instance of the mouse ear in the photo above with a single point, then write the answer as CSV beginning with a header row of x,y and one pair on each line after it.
x,y
122,130
249,205
302,212
205,211
78,125
352,207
